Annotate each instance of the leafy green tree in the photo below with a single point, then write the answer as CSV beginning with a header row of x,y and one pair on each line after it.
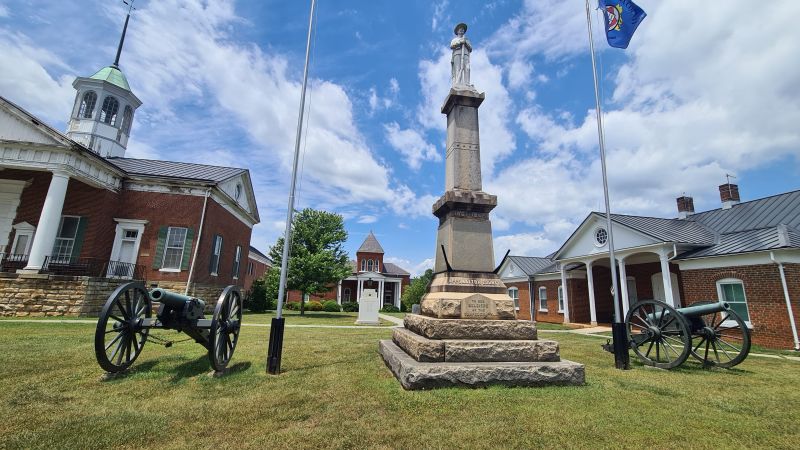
x,y
414,292
317,258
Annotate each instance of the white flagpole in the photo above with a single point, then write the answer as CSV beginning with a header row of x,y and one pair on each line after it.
x,y
612,259
274,354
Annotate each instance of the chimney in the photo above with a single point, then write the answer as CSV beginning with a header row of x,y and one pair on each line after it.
x,y
685,206
729,194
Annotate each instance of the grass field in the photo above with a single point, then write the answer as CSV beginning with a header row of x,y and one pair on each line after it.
x,y
336,392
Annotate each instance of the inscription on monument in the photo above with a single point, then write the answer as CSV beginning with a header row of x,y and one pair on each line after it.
x,y
475,307
475,281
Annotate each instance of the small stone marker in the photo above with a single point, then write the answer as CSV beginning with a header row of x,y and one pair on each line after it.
x,y
415,308
368,308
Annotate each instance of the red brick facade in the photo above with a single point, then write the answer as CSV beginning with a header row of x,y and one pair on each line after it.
x,y
764,293
253,270
523,291
363,256
551,298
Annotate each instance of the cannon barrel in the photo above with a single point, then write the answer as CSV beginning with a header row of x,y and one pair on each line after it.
x,y
701,310
172,299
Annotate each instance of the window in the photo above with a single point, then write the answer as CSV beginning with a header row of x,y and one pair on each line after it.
x,y
600,236
369,265
377,266
173,248
561,299
250,268
237,257
108,114
87,105
542,298
363,265
23,238
65,239
127,119
731,290
216,251
238,192
305,298
514,294
346,295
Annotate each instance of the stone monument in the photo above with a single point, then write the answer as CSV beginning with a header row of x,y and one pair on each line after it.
x,y
368,308
467,332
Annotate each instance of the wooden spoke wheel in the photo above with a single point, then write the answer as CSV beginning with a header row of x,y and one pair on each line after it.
x,y
658,334
721,339
120,337
225,325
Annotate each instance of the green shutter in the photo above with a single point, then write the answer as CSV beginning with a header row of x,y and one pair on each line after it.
x,y
79,235
187,249
158,256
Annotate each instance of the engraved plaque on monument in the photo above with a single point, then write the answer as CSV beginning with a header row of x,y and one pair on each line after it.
x,y
476,307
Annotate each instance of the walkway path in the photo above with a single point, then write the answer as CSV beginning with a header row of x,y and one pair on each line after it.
x,y
393,319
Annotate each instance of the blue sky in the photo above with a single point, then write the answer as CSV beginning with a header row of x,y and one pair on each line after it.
x,y
699,93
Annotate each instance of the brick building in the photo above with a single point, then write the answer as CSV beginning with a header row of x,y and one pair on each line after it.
x,y
369,272
747,254
257,265
72,205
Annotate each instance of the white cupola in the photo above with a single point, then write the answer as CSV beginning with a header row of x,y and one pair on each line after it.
x,y
102,116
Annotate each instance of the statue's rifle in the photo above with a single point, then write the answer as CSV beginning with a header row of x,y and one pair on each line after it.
x,y
460,78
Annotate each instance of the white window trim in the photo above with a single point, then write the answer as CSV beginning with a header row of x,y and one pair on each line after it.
x,y
237,260
217,238
166,247
516,303
73,239
721,297
540,298
23,229
560,300
594,237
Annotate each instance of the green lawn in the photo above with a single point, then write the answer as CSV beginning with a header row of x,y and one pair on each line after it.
x,y
310,318
336,392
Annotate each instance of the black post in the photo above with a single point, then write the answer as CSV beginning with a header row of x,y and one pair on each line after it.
x,y
275,346
621,355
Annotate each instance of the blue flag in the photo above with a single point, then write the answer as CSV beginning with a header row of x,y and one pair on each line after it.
x,y
622,19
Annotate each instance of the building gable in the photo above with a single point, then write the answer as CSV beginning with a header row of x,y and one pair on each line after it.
x,y
240,191
583,241
16,126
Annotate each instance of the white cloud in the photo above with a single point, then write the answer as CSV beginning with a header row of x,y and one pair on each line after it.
x,y
411,144
415,269
519,73
439,14
407,203
527,244
394,86
368,218
4,11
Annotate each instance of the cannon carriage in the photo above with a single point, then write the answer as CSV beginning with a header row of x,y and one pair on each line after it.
x,y
665,337
126,320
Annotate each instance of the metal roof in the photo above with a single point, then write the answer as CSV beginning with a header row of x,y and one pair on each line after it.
x,y
174,169
667,230
756,214
531,264
254,250
744,242
393,269
370,245
113,75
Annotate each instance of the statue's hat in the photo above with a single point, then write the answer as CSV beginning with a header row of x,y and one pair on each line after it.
x,y
461,25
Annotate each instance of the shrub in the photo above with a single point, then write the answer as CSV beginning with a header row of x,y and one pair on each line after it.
x,y
313,306
331,306
257,300
390,309
293,306
350,307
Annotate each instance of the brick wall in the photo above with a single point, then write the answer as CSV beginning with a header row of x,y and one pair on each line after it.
x,y
259,269
764,294
523,288
551,315
364,255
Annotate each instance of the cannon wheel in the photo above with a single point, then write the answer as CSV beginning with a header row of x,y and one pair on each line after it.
x,y
658,334
119,337
225,325
724,340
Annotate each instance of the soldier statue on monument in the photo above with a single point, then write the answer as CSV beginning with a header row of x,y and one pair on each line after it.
x,y
459,62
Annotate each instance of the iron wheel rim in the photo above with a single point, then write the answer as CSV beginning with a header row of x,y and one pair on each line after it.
x,y
119,337
658,334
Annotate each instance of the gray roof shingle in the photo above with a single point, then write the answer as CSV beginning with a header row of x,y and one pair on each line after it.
x,y
174,169
531,264
740,242
393,269
370,245
667,230
756,214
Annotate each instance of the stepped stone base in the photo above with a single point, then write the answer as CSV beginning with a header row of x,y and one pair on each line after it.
x,y
433,328
414,375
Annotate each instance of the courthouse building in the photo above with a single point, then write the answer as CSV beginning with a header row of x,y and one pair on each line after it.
x,y
745,253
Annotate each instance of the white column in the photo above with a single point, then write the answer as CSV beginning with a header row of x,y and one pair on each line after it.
x,y
49,220
339,293
380,293
623,287
590,285
665,275
358,291
564,293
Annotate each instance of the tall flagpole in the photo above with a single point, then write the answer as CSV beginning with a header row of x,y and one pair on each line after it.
x,y
277,326
621,357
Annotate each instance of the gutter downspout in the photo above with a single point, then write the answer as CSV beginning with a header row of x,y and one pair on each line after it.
x,y
197,245
530,295
788,301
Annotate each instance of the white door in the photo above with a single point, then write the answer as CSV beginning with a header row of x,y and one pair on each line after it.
x,y
658,288
125,250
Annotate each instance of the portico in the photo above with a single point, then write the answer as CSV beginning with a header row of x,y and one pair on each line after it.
x,y
388,288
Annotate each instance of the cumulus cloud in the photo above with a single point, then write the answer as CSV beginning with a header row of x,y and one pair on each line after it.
x,y
368,218
415,269
527,244
411,144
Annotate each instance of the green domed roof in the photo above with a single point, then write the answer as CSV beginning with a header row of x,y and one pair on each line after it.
x,y
113,75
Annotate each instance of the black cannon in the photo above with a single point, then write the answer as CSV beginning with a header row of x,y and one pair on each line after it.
x,y
125,322
664,337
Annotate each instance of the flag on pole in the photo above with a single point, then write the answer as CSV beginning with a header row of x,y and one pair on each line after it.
x,y
622,19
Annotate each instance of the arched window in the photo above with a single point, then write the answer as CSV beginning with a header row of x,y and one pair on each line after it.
x,y
369,265
377,266
127,118
363,265
87,105
108,114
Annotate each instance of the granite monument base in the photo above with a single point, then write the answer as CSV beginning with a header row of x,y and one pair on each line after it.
x,y
431,352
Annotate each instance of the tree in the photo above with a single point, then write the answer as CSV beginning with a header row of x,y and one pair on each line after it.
x,y
317,258
413,294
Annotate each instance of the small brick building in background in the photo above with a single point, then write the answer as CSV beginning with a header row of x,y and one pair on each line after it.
x,y
77,218
747,254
